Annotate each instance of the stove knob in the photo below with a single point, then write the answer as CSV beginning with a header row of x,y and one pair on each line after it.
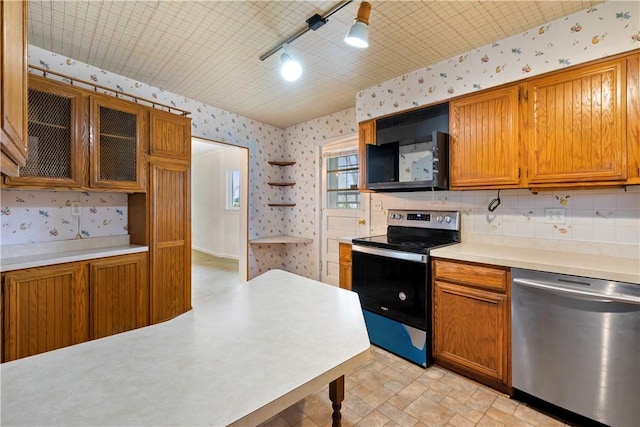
x,y
439,218
447,219
399,216
393,216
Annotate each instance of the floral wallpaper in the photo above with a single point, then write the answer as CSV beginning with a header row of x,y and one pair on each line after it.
x,y
45,216
596,216
265,142
604,30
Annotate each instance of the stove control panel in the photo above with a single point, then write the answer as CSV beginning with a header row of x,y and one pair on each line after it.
x,y
445,220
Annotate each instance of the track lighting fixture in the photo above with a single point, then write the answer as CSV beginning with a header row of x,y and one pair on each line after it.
x,y
358,35
291,70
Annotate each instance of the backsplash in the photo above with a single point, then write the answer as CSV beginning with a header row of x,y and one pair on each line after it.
x,y
599,31
594,216
45,216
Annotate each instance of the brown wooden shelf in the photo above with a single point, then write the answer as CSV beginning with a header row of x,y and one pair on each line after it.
x,y
51,125
282,184
282,204
281,163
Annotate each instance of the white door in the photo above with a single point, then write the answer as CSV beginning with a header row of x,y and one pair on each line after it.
x,y
345,211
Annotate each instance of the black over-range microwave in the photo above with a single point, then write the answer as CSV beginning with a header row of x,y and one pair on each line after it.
x,y
411,151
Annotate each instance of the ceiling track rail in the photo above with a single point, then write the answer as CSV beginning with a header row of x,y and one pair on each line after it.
x,y
116,93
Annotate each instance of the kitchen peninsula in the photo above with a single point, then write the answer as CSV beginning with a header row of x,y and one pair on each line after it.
x,y
237,359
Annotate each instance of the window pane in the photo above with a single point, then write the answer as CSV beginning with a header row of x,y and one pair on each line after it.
x,y
342,182
233,190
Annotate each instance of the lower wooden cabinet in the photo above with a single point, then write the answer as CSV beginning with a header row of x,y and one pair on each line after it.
x,y
344,251
47,308
119,294
471,321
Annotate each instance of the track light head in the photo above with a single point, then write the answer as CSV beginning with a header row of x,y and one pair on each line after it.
x,y
358,35
291,70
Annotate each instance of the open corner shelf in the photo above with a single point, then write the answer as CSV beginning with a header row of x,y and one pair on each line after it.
x,y
281,163
282,238
282,184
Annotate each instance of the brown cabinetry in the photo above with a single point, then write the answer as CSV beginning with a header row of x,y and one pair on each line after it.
x,y
47,308
170,247
169,216
81,140
119,294
118,144
576,125
366,135
344,251
13,86
471,321
633,117
484,127
44,309
58,137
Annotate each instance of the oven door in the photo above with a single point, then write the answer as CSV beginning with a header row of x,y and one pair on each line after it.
x,y
392,283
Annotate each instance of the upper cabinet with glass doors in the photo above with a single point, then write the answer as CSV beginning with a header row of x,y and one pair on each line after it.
x,y
118,144
81,140
57,136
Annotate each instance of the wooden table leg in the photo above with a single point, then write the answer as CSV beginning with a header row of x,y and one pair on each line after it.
x,y
336,394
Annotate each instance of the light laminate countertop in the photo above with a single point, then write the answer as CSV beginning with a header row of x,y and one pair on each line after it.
x,y
241,357
576,264
17,257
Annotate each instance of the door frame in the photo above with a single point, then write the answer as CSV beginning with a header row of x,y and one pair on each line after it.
x,y
243,243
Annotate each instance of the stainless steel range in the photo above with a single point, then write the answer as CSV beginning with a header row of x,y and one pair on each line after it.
x,y
392,276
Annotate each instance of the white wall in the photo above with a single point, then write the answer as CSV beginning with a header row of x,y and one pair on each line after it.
x,y
215,229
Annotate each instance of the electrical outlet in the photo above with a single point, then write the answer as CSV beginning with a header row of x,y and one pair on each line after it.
x,y
377,205
554,215
75,208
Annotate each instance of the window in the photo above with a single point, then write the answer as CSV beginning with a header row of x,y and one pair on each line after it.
x,y
342,182
233,190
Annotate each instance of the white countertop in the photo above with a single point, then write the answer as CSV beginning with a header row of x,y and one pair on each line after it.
x,y
240,357
17,257
577,264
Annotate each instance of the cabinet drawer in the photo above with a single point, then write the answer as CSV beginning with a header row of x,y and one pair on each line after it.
x,y
479,275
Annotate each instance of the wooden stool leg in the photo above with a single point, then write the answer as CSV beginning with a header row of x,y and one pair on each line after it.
x,y
336,394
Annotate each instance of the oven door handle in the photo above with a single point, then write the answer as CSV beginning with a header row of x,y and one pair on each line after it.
x,y
406,256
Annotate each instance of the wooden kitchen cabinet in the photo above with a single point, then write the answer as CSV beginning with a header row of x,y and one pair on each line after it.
x,y
170,135
13,86
471,321
170,242
58,137
344,255
118,144
576,125
633,118
483,143
45,308
169,216
119,294
366,135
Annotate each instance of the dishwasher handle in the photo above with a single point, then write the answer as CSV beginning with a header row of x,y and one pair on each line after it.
x,y
627,299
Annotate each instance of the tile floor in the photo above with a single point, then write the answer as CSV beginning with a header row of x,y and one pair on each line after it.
x,y
386,390
389,391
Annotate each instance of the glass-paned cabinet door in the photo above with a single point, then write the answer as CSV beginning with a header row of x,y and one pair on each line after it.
x,y
56,136
118,144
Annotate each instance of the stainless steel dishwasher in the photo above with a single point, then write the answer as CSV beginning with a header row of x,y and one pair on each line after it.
x,y
576,344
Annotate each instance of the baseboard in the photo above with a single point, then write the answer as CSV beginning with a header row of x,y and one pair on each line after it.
x,y
212,253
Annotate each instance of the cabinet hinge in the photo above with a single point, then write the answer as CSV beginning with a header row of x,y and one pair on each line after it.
x,y
518,173
519,94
